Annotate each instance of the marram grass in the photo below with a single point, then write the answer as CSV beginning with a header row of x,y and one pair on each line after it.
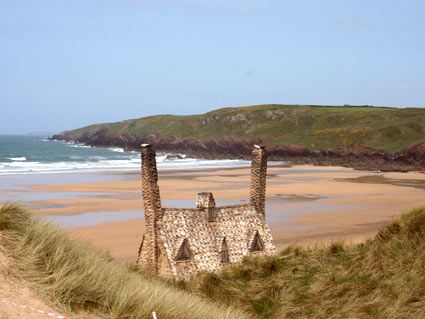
x,y
78,277
381,278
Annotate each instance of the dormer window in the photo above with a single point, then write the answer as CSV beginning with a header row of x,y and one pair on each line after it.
x,y
224,252
257,244
184,252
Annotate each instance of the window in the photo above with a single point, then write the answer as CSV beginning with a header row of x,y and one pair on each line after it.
x,y
184,252
257,243
224,252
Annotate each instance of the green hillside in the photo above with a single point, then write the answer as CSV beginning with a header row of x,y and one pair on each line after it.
x,y
314,127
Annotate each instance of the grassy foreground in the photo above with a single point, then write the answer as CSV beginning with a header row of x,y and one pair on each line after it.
x,y
381,278
77,277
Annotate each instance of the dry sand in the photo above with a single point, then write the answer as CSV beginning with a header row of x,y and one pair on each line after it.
x,y
19,301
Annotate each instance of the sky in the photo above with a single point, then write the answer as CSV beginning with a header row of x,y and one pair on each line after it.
x,y
70,63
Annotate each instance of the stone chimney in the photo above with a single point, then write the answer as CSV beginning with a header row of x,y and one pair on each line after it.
x,y
258,178
152,205
206,201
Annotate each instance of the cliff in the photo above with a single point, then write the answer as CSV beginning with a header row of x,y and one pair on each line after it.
x,y
361,137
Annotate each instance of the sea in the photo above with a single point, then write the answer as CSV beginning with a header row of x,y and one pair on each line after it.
x,y
24,154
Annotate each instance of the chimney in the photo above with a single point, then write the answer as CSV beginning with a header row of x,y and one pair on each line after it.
x,y
152,205
258,178
206,202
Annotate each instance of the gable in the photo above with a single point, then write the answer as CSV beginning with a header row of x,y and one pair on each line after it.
x,y
184,252
257,244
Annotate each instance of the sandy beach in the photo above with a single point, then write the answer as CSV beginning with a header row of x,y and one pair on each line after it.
x,y
306,205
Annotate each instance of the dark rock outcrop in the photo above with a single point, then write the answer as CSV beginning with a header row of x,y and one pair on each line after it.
x,y
410,159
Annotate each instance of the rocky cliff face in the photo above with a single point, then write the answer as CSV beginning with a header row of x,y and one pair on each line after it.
x,y
412,158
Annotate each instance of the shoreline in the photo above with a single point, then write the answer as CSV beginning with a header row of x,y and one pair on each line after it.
x,y
409,159
279,163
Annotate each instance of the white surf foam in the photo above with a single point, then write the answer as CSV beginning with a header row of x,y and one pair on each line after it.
x,y
79,145
18,159
92,162
116,149
130,164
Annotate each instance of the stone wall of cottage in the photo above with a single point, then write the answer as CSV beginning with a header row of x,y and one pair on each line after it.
x,y
238,224
164,263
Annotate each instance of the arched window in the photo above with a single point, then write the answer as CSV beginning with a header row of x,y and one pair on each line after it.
x,y
257,243
224,252
184,252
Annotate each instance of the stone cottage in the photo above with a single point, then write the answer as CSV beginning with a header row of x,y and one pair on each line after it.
x,y
180,242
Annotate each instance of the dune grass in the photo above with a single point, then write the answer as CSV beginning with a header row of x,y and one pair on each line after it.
x,y
77,277
381,278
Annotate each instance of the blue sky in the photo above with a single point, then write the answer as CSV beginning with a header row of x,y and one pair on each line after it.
x,y
69,63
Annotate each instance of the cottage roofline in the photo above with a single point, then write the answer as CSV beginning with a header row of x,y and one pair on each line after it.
x,y
203,227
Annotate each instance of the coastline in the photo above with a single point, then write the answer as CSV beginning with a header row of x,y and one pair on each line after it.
x,y
410,159
306,205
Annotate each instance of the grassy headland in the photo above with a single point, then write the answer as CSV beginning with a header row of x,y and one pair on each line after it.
x,y
363,137
312,127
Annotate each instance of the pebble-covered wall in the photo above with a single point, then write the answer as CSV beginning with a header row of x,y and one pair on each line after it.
x,y
237,224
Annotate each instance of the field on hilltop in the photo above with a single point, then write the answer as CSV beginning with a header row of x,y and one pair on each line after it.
x,y
312,127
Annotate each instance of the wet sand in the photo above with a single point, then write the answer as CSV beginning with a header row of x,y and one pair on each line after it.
x,y
305,205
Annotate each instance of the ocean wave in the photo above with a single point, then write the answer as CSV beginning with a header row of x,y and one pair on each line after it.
x,y
79,145
116,149
130,164
18,159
